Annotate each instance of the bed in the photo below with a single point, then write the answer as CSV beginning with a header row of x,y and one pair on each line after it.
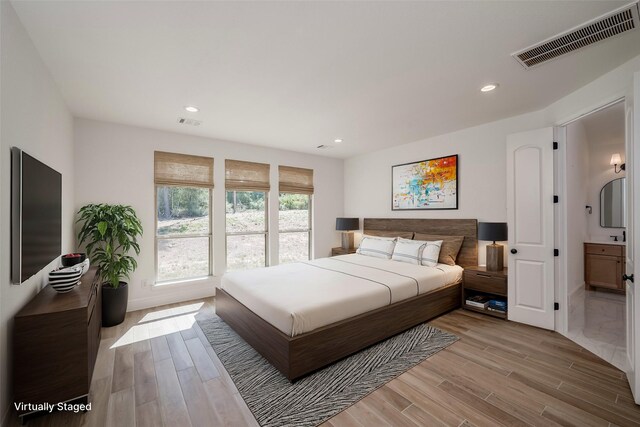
x,y
342,304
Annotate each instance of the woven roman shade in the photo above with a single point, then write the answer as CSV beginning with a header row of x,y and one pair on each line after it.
x,y
246,176
296,180
183,170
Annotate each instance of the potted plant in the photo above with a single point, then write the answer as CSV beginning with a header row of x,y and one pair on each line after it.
x,y
110,232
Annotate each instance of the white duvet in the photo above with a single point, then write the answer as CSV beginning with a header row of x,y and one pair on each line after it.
x,y
300,297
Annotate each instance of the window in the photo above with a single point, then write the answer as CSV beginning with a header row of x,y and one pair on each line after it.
x,y
183,220
294,221
294,224
247,187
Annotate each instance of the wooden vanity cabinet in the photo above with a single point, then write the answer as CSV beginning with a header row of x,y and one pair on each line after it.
x,y
604,266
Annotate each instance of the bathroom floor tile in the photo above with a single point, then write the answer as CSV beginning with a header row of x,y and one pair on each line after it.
x,y
597,323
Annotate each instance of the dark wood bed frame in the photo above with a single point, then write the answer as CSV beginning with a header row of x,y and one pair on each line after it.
x,y
300,355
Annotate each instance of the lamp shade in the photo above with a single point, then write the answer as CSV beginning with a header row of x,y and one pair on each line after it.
x,y
494,231
347,224
616,159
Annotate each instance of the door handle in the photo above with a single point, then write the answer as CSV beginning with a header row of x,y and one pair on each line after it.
x,y
514,251
629,278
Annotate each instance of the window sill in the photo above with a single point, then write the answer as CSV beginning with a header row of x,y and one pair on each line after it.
x,y
197,281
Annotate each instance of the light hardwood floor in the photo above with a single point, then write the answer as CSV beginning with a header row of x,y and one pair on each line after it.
x,y
158,369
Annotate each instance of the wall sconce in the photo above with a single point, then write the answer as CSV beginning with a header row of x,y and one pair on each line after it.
x,y
615,161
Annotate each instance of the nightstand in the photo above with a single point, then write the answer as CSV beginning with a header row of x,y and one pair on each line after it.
x,y
480,281
341,251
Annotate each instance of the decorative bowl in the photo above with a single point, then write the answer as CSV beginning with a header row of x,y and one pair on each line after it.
x,y
65,279
64,288
70,260
85,265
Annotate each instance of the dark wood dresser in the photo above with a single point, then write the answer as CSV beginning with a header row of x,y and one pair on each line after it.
x,y
56,340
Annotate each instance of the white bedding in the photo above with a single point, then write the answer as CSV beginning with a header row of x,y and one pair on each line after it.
x,y
300,297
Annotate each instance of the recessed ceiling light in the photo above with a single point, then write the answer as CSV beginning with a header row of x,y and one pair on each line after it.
x,y
489,87
337,140
192,108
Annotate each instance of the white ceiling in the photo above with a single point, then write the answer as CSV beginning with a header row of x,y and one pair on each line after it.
x,y
295,75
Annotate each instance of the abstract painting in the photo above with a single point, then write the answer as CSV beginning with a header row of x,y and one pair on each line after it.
x,y
427,184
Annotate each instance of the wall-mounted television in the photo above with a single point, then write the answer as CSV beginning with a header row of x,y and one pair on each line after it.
x,y
36,215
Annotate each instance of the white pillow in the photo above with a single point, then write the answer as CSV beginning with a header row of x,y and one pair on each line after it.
x,y
380,237
409,251
376,247
430,253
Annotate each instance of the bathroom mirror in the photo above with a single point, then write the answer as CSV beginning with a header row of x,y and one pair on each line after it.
x,y
612,204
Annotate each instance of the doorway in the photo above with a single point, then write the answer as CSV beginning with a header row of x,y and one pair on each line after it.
x,y
596,232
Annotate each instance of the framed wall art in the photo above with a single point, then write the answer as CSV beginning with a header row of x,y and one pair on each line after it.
x,y
426,184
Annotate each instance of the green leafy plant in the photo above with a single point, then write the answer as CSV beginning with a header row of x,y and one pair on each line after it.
x,y
110,232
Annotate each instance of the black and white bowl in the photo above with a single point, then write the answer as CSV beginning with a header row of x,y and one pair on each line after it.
x,y
65,279
62,288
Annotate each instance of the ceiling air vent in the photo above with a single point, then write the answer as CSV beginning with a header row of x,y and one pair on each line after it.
x,y
324,147
189,122
606,26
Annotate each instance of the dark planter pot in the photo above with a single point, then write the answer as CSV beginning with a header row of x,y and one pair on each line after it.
x,y
114,304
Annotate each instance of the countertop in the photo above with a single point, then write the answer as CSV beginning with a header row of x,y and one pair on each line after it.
x,y
606,242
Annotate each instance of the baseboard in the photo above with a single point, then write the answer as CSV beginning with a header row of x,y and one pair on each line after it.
x,y
180,295
577,289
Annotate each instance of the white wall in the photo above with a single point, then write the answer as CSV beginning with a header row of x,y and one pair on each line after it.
x,y
114,164
481,173
601,172
615,84
35,119
577,179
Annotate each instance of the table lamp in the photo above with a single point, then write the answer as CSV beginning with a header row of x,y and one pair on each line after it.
x,y
494,231
347,226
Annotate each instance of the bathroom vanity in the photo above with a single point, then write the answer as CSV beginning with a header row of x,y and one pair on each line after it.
x,y
604,265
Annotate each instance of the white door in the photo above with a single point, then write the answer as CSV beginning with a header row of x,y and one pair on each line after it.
x,y
633,238
530,221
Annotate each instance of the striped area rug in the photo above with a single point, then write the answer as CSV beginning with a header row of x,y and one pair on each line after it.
x,y
276,402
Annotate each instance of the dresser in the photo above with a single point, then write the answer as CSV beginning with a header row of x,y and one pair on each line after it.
x,y
56,340
604,265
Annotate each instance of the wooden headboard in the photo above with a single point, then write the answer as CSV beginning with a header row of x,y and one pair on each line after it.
x,y
468,228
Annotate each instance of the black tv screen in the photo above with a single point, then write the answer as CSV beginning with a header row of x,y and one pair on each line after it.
x,y
36,215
